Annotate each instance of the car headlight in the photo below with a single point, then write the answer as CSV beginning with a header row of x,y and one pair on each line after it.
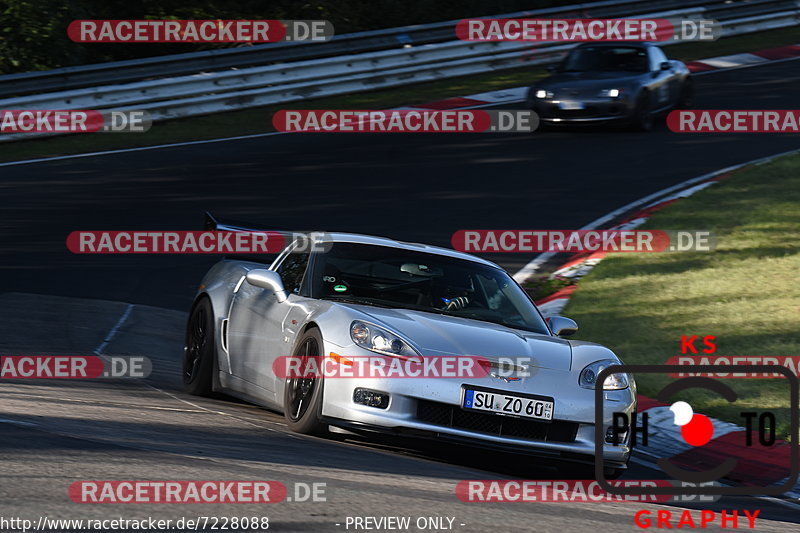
x,y
610,93
588,377
379,340
543,93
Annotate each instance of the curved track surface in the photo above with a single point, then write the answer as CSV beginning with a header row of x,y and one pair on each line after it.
x,y
412,187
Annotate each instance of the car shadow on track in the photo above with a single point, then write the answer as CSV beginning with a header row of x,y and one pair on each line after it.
x,y
500,463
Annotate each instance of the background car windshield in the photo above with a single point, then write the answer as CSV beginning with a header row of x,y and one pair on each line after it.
x,y
607,58
391,277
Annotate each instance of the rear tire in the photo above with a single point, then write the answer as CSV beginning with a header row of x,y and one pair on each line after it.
x,y
200,352
302,397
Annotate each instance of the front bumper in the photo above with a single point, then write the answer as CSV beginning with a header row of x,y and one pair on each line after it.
x,y
553,111
431,408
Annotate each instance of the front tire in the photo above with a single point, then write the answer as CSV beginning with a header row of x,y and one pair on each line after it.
x,y
302,397
642,119
613,473
686,98
200,352
583,471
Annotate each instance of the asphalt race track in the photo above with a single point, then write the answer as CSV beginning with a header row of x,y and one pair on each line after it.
x,y
411,187
58,432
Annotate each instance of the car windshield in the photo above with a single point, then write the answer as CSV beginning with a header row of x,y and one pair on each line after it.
x,y
606,58
391,277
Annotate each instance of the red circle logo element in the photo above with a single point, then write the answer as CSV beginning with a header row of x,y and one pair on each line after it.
x,y
698,431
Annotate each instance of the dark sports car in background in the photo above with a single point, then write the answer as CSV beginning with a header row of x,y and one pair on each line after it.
x,y
604,82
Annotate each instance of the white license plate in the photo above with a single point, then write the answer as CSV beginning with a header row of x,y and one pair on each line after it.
x,y
509,404
567,105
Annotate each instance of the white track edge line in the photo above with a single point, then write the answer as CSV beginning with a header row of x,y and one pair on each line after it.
x,y
113,332
525,272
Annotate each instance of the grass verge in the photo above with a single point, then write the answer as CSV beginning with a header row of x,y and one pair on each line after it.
x,y
258,120
746,292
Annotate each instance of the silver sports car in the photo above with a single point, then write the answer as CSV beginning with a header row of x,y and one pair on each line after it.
x,y
605,82
349,297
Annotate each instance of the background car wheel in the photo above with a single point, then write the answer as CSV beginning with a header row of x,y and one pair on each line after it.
x,y
199,353
686,98
642,119
302,397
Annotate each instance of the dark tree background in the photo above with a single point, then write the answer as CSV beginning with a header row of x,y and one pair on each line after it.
x,y
33,33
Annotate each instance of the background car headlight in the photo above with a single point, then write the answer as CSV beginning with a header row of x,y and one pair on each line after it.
x,y
380,340
610,93
542,93
588,377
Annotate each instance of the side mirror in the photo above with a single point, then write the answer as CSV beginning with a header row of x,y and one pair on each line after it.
x,y
666,65
267,279
562,326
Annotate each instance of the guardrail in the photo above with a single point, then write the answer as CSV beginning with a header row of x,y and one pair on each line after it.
x,y
63,79
214,92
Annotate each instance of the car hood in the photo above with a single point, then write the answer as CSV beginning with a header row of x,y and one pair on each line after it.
x,y
436,334
588,81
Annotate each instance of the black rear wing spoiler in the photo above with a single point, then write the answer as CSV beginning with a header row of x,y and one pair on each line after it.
x,y
212,223
309,238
